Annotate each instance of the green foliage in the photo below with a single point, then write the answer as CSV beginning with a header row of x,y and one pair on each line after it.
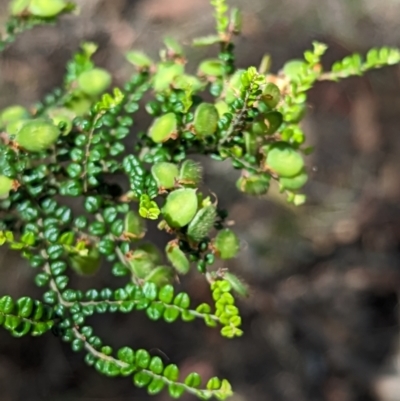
x,y
25,316
72,145
26,14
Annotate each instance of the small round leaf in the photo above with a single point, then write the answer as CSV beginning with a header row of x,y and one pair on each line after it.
x,y
163,128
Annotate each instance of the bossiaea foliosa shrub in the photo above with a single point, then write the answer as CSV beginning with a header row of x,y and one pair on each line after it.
x,y
72,145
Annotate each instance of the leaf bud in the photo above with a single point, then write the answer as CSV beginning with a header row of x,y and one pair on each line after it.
x,y
6,185
284,160
202,223
134,225
94,81
227,244
165,174
177,258
205,119
180,207
163,128
190,173
37,135
46,8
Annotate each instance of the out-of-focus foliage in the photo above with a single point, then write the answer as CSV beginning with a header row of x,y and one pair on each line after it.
x,y
71,145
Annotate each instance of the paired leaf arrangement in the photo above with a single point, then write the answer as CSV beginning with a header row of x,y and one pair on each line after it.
x,y
72,145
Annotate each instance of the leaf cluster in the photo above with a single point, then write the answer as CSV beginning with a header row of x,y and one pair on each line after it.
x,y
72,145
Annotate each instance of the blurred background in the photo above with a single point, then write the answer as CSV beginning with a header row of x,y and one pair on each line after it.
x,y
322,321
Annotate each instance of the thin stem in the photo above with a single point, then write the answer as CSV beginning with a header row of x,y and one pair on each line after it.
x,y
237,121
123,365
122,258
87,151
96,353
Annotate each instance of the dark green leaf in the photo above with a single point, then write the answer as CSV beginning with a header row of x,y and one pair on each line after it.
x,y
155,386
155,310
193,380
170,314
142,358
182,300
166,294
176,390
156,365
171,372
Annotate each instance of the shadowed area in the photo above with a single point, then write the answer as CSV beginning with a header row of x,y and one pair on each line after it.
x,y
322,319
